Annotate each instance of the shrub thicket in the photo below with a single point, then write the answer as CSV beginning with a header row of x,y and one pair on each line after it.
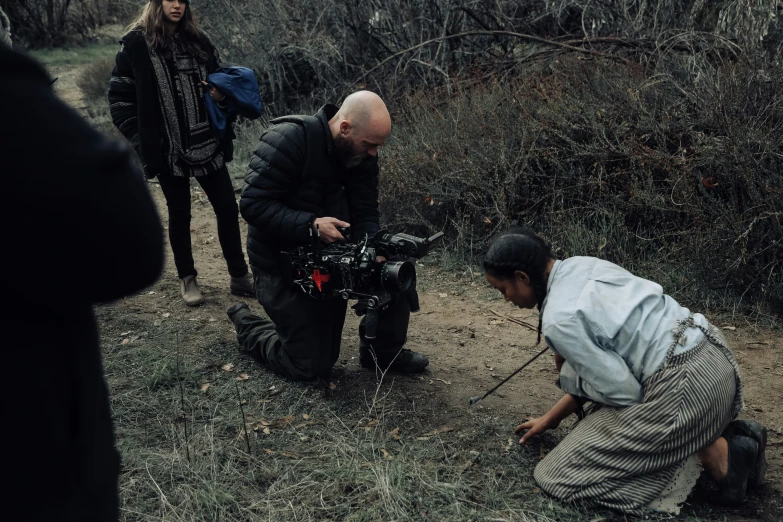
x,y
645,133
680,181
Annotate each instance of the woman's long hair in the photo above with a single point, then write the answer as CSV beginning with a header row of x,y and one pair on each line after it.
x,y
152,23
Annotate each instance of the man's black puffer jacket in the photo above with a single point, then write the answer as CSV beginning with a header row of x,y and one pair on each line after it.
x,y
295,177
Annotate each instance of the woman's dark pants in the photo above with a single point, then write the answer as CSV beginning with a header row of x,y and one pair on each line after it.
x,y
220,191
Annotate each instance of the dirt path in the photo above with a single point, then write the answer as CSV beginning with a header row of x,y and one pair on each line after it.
x,y
469,346
66,85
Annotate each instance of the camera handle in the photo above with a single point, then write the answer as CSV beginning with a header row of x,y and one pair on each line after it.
x,y
373,309
371,322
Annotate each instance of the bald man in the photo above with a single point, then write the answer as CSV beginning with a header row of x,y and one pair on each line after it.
x,y
313,173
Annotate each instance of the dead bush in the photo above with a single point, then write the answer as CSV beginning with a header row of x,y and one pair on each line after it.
x,y
94,79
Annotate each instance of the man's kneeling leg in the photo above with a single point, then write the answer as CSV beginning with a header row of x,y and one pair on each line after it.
x,y
301,337
386,350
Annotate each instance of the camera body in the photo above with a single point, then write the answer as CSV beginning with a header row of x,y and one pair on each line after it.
x,y
349,270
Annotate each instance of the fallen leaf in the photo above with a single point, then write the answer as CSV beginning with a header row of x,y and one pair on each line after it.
x,y
242,376
444,429
422,438
244,401
443,295
166,315
443,381
495,322
205,387
332,386
269,451
730,328
289,455
305,416
304,438
125,341
386,454
152,293
267,431
228,367
123,334
709,182
395,433
304,424
487,221
157,322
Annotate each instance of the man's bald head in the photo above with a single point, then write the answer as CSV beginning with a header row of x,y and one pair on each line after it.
x,y
361,126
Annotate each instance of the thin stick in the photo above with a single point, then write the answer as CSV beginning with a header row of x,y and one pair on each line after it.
x,y
475,400
182,404
244,423
515,320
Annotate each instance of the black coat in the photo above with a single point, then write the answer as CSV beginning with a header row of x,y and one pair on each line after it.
x,y
134,104
294,178
79,227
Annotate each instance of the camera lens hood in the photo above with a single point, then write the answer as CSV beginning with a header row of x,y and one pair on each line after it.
x,y
398,276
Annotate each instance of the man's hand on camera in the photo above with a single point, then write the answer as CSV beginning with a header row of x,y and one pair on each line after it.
x,y
327,226
380,259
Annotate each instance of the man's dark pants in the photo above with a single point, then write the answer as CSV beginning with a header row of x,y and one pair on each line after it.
x,y
301,337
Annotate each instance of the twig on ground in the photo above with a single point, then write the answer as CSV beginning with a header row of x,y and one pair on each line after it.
x,y
515,320
244,422
182,404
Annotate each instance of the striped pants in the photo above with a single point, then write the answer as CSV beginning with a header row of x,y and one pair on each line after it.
x,y
623,458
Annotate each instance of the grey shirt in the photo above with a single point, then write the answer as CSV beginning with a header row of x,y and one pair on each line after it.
x,y
613,329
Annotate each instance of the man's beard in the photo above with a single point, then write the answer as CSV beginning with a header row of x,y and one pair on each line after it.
x,y
343,147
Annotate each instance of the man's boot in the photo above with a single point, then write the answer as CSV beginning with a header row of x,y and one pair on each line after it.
x,y
190,291
243,286
237,311
404,361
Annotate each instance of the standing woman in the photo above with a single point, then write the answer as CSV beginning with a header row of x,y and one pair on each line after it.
x,y
157,102
665,386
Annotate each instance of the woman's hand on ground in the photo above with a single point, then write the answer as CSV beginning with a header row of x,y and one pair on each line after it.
x,y
536,427
214,92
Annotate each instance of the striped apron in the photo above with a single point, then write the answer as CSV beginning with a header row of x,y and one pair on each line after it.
x,y
624,458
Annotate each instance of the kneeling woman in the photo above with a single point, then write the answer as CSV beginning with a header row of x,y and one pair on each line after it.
x,y
664,385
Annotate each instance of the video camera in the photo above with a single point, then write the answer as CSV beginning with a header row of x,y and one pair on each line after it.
x,y
349,270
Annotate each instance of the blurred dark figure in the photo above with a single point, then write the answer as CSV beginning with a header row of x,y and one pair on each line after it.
x,y
78,228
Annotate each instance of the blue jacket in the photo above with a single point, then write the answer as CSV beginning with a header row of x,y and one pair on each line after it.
x,y
240,87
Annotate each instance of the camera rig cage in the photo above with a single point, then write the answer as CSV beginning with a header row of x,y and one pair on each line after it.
x,y
350,270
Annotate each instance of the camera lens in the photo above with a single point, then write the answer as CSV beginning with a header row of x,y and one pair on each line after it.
x,y
398,276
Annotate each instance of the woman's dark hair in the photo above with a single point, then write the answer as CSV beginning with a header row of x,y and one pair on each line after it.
x,y
151,22
520,250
